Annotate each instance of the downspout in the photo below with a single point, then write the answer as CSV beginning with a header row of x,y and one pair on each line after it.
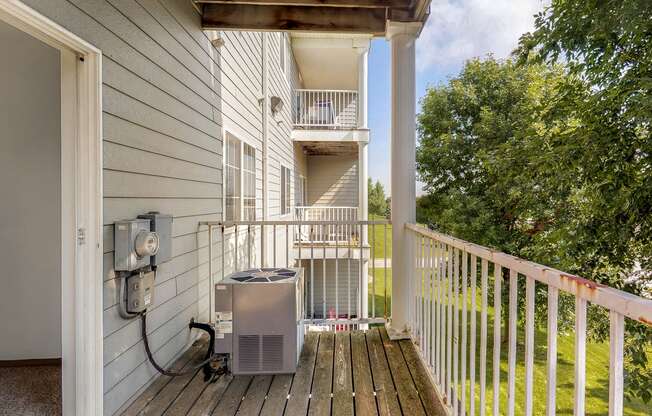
x,y
265,122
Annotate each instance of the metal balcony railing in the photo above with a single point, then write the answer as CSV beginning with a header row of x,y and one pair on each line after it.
x,y
445,293
330,109
346,285
332,232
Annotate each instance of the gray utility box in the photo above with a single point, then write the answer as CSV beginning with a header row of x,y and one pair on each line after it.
x,y
259,316
161,224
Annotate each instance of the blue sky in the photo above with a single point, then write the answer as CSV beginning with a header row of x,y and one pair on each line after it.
x,y
456,31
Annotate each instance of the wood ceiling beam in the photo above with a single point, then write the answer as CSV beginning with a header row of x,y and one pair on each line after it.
x,y
319,3
257,17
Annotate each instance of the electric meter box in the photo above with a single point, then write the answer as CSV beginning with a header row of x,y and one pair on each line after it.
x,y
161,224
125,234
140,292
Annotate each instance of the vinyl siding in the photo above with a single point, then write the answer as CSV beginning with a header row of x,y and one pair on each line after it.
x,y
168,95
333,180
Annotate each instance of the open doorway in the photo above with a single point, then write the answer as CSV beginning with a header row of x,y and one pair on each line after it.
x,y
50,218
30,220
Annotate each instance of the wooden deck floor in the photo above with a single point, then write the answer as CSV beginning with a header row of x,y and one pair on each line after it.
x,y
341,374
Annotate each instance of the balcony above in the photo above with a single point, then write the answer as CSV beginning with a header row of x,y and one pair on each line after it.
x,y
327,116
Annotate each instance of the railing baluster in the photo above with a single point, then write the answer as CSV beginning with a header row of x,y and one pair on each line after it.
x,y
337,281
323,279
474,273
385,271
529,344
436,306
373,270
616,340
553,301
456,330
464,331
580,355
363,280
511,352
449,323
312,274
442,317
484,289
431,306
274,245
497,317
287,246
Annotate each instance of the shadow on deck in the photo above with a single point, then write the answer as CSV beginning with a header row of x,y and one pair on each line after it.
x,y
340,374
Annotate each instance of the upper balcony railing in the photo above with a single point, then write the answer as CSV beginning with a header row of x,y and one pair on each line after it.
x,y
449,290
334,232
325,109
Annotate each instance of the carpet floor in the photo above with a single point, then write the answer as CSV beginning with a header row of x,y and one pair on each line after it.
x,y
30,391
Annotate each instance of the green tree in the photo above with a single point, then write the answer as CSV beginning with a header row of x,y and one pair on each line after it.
x,y
607,44
377,199
511,158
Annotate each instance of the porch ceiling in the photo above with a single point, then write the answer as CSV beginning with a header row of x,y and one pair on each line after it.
x,y
340,16
330,148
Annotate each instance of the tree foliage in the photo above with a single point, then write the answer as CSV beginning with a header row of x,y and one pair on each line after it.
x,y
513,157
377,199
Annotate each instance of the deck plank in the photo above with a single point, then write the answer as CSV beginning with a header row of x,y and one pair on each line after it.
x,y
421,379
255,396
383,384
322,384
210,397
174,388
365,402
232,398
182,404
277,397
342,376
299,395
407,391
157,385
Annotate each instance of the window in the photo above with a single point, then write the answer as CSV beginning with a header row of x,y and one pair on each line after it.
x,y
286,198
240,180
301,187
249,183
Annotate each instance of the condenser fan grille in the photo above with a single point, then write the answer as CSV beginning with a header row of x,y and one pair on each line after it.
x,y
264,275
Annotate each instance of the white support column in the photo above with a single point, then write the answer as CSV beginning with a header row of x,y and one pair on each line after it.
x,y
363,58
402,37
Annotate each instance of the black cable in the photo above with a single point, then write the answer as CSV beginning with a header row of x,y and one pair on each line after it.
x,y
165,372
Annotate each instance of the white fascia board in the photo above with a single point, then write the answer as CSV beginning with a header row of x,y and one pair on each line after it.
x,y
314,135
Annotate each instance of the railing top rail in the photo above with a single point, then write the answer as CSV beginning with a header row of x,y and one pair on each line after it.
x,y
293,222
323,90
627,304
325,207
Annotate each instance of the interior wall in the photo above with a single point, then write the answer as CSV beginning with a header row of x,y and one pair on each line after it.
x,y
30,211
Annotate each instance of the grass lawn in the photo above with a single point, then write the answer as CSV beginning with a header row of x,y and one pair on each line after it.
x,y
380,238
597,366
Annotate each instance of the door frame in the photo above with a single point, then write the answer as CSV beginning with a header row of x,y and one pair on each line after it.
x,y
81,211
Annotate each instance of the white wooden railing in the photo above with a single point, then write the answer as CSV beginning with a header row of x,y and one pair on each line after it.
x,y
333,232
325,109
338,276
444,289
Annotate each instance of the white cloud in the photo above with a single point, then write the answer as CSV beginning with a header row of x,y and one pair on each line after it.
x,y
458,30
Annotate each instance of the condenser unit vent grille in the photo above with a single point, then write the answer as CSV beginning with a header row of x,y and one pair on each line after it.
x,y
264,275
249,352
272,352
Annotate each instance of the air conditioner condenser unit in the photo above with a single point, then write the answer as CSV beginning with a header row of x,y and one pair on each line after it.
x,y
259,320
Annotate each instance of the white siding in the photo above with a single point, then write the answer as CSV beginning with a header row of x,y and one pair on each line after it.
x,y
168,95
333,180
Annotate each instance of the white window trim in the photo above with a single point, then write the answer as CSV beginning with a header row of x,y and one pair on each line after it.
x,y
81,185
